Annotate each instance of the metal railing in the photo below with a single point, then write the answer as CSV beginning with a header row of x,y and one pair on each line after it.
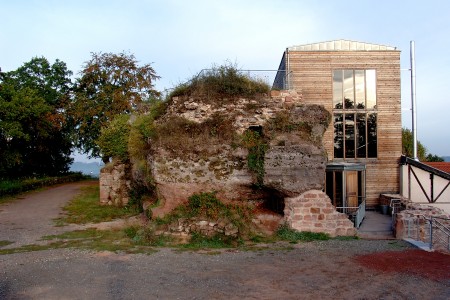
x,y
396,207
433,231
440,233
355,213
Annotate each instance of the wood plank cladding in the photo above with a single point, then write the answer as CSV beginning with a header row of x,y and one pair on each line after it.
x,y
312,71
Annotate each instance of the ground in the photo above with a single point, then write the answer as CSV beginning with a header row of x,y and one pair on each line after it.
x,y
338,269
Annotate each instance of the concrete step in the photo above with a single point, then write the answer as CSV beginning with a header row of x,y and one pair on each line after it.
x,y
376,226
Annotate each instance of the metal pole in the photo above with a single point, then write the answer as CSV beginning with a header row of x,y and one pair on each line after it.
x,y
431,232
413,100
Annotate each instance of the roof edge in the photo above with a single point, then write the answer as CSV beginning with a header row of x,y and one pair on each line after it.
x,y
342,45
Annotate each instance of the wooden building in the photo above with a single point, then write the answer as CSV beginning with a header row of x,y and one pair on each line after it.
x,y
359,83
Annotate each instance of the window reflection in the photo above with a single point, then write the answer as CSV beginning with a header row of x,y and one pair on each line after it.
x,y
361,135
355,128
372,135
371,89
360,93
349,135
338,136
337,89
349,96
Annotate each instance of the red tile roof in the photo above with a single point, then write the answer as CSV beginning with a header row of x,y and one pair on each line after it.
x,y
443,166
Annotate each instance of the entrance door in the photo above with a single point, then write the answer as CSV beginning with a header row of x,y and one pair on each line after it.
x,y
351,188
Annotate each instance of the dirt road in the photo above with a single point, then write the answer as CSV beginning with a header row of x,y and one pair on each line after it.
x,y
25,220
335,269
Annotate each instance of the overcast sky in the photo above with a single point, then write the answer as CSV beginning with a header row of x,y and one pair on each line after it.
x,y
181,37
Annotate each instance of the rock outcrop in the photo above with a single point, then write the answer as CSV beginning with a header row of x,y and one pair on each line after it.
x,y
293,161
260,150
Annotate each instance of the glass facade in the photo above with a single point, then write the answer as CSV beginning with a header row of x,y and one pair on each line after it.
x,y
354,113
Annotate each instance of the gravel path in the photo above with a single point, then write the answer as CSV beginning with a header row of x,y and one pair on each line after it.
x,y
318,270
25,220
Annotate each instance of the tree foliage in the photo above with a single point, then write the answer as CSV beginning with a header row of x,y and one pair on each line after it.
x,y
34,133
110,85
407,148
435,158
113,140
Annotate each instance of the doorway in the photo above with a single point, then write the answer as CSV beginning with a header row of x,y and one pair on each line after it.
x,y
345,184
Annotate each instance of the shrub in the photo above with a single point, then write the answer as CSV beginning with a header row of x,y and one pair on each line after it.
x,y
113,140
225,81
13,187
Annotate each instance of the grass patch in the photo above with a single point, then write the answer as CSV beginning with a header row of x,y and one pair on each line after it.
x,y
89,239
145,236
286,234
5,243
86,208
206,205
346,238
218,241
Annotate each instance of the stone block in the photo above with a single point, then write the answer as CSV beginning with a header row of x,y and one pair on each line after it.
x,y
310,196
327,210
315,210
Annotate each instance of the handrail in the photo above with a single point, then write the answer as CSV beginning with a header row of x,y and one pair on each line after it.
x,y
442,234
358,212
438,233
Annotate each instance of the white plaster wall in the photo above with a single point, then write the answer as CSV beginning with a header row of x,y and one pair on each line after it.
x,y
417,195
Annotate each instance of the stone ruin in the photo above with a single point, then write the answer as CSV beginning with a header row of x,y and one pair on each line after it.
x,y
294,163
414,223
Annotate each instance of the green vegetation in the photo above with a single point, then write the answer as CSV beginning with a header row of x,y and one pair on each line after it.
x,y
35,135
219,241
14,187
110,85
85,208
293,236
5,243
221,82
208,206
257,147
90,239
422,152
113,139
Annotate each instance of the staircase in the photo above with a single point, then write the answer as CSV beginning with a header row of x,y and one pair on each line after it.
x,y
376,226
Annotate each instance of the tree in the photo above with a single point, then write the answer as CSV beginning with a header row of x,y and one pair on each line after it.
x,y
110,85
34,135
431,157
407,148
113,140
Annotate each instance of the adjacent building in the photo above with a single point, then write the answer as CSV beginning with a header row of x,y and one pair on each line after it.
x,y
359,84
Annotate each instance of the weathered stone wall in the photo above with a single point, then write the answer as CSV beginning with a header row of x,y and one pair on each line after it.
x,y
185,226
413,221
312,211
249,112
114,185
294,161
294,169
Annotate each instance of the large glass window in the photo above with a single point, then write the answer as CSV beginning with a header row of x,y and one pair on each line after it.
x,y
355,115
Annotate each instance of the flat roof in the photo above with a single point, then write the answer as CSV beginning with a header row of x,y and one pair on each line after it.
x,y
342,45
